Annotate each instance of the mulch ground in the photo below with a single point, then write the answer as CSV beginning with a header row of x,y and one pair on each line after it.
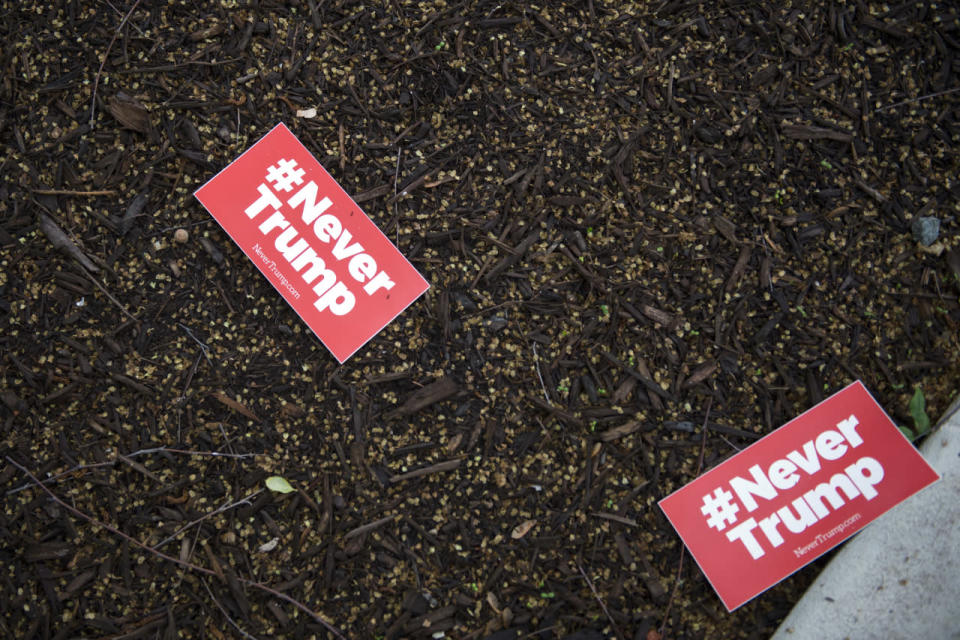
x,y
648,227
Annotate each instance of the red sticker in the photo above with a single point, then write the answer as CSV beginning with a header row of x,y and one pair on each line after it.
x,y
795,494
323,254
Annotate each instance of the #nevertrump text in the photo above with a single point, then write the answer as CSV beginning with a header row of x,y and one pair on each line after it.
x,y
856,480
332,295
796,493
312,242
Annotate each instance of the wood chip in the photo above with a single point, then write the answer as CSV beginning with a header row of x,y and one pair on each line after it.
x,y
449,465
62,241
430,394
621,431
701,373
130,113
657,315
615,518
804,132
233,404
522,529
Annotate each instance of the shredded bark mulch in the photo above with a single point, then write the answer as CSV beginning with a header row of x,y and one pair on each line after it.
x,y
648,227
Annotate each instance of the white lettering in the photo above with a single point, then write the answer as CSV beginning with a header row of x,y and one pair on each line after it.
x,y
317,267
381,281
829,491
848,429
769,527
783,474
273,222
830,445
341,250
282,243
746,489
338,299
865,473
362,267
267,198
327,227
804,518
809,461
308,196
744,533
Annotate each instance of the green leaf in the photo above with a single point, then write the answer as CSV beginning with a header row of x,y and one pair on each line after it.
x,y
908,432
279,484
918,411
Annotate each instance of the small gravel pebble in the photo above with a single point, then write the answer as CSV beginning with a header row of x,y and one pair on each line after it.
x,y
925,230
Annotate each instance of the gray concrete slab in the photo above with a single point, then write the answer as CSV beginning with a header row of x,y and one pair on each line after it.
x,y
900,577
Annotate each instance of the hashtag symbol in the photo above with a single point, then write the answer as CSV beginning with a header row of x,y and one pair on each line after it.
x,y
719,509
285,175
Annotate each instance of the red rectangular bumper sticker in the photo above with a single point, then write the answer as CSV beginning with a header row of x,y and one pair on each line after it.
x,y
313,243
795,494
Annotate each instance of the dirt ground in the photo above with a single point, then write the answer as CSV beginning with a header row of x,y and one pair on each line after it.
x,y
648,227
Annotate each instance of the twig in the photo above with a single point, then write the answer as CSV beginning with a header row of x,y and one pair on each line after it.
x,y
221,509
396,208
630,522
683,548
447,465
203,347
103,61
224,612
536,360
596,595
926,97
113,300
370,526
68,192
59,239
139,467
193,567
83,467
216,454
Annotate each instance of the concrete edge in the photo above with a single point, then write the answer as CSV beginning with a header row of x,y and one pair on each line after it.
x,y
900,577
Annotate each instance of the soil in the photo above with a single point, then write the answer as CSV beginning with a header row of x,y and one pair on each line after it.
x,y
648,227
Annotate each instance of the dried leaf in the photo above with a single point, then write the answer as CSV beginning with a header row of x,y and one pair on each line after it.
x,y
804,132
619,432
522,529
236,406
454,443
424,397
269,546
701,373
130,113
209,32
290,410
279,484
658,315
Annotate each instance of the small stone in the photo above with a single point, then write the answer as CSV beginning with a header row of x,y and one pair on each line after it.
x,y
496,323
926,230
468,304
415,603
708,134
181,235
